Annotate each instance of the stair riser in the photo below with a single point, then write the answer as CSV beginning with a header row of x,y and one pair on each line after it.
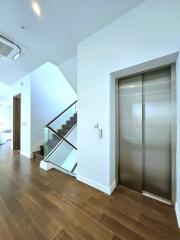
x,y
73,119
68,127
42,149
62,132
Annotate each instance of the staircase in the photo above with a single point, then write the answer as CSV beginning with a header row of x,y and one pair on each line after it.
x,y
39,155
60,134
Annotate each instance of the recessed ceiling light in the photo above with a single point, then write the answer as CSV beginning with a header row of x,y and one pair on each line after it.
x,y
36,8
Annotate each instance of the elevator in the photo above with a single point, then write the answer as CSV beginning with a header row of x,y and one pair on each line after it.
x,y
146,117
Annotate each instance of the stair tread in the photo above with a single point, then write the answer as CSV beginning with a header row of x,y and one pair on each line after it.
x,y
38,152
38,155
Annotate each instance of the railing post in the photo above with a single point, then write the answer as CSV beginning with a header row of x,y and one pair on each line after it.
x,y
46,139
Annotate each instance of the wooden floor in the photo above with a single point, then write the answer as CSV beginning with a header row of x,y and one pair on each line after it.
x,y
50,205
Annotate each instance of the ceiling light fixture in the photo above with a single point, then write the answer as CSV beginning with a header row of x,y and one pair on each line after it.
x,y
9,49
16,56
36,8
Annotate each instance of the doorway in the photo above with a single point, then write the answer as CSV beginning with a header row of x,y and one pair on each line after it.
x,y
146,159
17,122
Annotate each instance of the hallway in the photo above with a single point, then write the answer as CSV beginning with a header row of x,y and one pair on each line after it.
x,y
51,205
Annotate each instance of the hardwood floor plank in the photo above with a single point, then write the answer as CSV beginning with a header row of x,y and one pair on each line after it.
x,y
78,215
121,206
115,237
73,228
62,235
4,229
39,205
130,223
92,211
147,205
119,229
164,230
38,216
21,218
13,231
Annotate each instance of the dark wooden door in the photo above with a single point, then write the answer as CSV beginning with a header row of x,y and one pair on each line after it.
x,y
16,122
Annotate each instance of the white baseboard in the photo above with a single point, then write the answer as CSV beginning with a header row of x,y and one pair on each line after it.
x,y
25,154
113,186
177,213
92,183
46,165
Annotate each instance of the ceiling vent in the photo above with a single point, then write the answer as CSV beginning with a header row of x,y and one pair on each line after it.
x,y
9,49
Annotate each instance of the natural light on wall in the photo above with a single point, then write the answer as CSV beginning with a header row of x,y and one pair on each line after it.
x,y
5,123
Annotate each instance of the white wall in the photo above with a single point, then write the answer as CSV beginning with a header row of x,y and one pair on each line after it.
x,y
69,69
44,94
148,32
5,91
51,94
23,87
5,116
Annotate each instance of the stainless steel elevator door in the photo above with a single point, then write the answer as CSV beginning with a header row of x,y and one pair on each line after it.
x,y
130,120
157,133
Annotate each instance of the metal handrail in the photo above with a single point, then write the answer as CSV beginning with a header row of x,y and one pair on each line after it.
x,y
59,143
62,138
61,113
57,133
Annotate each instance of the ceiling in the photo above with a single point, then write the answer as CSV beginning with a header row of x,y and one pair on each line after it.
x,y
54,35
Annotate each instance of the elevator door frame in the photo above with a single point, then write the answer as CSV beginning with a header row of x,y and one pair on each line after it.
x,y
173,121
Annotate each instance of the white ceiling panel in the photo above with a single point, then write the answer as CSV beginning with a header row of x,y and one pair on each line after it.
x,y
54,35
